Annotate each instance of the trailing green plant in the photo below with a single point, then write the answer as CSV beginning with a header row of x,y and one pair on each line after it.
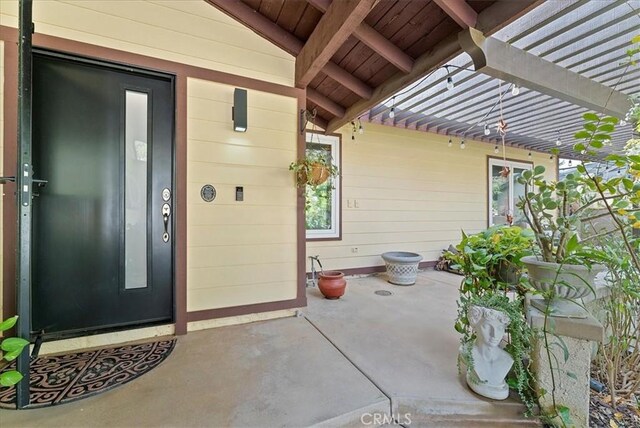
x,y
11,348
518,345
480,258
557,415
314,160
483,257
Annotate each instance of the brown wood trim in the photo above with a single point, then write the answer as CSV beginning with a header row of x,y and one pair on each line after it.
x,y
339,237
10,139
508,159
182,71
245,309
301,230
376,269
488,174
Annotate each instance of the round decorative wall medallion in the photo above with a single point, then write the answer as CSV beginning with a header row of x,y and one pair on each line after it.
x,y
208,193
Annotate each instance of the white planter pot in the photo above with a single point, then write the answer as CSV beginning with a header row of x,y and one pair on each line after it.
x,y
402,267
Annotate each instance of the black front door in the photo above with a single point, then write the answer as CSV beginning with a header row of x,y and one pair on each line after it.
x,y
102,225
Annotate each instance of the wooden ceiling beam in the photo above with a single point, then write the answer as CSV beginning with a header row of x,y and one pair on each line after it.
x,y
333,29
287,41
489,21
376,41
443,52
259,23
322,101
459,11
319,122
348,80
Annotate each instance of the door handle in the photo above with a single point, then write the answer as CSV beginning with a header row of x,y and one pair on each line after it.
x,y
166,212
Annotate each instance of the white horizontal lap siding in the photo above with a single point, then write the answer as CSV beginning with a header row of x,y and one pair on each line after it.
x,y
185,31
240,253
414,193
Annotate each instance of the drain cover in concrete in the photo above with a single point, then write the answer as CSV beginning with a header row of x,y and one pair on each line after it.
x,y
383,293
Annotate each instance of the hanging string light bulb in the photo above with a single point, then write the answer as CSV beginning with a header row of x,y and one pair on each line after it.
x,y
515,90
558,140
570,162
360,128
450,143
496,149
462,145
450,84
487,131
529,155
392,113
353,130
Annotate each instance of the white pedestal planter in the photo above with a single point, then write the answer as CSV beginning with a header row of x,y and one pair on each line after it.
x,y
402,267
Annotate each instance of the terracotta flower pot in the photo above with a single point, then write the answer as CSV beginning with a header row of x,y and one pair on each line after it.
x,y
332,284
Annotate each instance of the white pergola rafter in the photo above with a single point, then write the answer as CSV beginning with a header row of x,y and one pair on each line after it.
x,y
503,61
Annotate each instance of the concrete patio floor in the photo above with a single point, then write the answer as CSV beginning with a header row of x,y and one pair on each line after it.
x,y
364,354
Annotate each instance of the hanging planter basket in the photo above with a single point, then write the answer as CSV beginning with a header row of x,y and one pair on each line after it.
x,y
311,172
318,174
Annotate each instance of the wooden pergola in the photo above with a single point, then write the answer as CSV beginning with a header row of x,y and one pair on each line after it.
x,y
351,55
361,59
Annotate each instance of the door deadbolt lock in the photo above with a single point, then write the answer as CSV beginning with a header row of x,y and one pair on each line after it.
x,y
166,212
166,194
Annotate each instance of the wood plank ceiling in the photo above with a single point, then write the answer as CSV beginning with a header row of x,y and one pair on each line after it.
x,y
364,51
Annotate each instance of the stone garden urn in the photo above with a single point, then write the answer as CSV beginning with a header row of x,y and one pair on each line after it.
x,y
402,267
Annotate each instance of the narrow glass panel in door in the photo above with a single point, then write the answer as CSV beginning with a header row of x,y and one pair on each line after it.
x,y
135,211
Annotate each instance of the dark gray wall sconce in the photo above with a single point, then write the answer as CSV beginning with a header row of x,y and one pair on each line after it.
x,y
239,110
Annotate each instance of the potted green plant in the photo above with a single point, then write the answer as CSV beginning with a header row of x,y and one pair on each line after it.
x,y
563,268
314,169
491,260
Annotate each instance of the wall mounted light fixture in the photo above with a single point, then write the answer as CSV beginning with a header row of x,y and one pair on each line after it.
x,y
239,110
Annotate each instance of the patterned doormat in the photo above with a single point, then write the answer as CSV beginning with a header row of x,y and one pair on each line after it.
x,y
65,378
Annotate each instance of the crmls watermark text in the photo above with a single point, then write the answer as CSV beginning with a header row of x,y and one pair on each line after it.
x,y
378,419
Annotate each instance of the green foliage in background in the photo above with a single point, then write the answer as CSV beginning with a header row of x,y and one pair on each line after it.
x,y
11,348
